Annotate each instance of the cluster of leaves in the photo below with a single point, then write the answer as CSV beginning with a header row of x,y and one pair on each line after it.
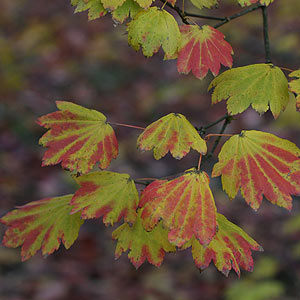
x,y
168,215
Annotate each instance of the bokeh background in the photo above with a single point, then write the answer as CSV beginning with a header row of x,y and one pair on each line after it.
x,y
48,54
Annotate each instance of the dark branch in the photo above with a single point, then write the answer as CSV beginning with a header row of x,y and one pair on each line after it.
x,y
180,13
237,15
266,34
204,17
226,123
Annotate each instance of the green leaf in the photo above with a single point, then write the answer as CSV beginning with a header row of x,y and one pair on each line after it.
x,y
294,86
260,163
42,225
108,194
142,244
128,9
262,86
185,205
172,133
205,3
78,138
95,8
152,29
229,249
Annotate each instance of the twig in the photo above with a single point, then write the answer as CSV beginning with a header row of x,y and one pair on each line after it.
x,y
217,134
126,125
237,15
226,123
266,34
199,162
204,17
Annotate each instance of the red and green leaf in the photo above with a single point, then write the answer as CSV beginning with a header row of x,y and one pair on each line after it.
x,y
185,205
42,224
263,86
229,249
142,245
108,194
294,86
260,163
202,49
172,133
152,29
78,138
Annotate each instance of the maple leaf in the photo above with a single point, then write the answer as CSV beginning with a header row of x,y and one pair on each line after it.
x,y
205,3
129,9
202,49
42,225
185,204
78,138
173,133
260,163
294,86
108,194
142,244
95,8
262,86
152,29
229,249
249,2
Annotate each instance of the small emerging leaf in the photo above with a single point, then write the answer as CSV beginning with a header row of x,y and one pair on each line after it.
x,y
152,29
95,8
108,194
142,244
202,49
78,138
260,163
262,86
172,133
229,249
42,225
185,205
295,87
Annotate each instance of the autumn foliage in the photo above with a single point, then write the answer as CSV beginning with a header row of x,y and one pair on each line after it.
x,y
167,214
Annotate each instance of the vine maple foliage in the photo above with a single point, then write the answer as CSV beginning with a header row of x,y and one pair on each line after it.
x,y
175,214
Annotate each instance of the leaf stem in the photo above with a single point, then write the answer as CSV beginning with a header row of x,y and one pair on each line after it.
x,y
126,125
266,34
199,162
286,69
207,137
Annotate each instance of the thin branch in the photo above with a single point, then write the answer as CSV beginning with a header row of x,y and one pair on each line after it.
x,y
266,34
199,162
237,15
226,123
204,17
180,13
126,125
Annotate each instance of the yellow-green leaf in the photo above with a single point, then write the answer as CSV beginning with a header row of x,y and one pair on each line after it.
x,y
249,2
128,9
142,244
152,29
260,163
172,133
78,138
205,3
95,8
295,87
185,205
108,194
42,224
263,86
229,249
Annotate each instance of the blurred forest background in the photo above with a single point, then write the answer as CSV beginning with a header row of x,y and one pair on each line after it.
x,y
48,54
